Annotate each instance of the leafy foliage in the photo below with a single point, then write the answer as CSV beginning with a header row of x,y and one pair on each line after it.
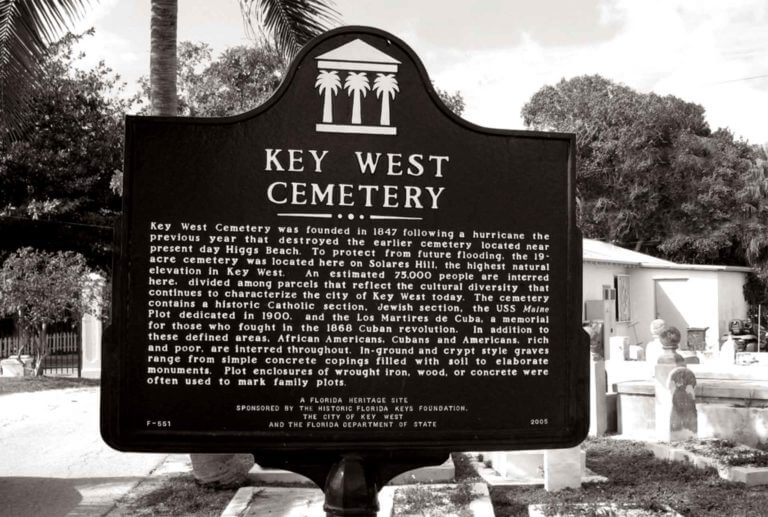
x,y
26,30
652,176
719,210
291,23
239,79
454,101
40,288
59,169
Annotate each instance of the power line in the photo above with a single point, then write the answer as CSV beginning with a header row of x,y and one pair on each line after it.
x,y
764,76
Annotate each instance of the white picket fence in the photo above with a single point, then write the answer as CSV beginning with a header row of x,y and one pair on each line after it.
x,y
58,343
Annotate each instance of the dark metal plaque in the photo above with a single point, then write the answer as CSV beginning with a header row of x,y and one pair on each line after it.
x,y
348,267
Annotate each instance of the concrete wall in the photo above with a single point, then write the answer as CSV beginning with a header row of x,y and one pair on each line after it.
x,y
636,417
707,298
732,404
594,277
741,424
699,305
732,304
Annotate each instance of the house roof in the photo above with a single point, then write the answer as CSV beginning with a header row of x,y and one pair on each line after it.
x,y
605,253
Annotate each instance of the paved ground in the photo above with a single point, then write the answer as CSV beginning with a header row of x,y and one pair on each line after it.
x,y
53,462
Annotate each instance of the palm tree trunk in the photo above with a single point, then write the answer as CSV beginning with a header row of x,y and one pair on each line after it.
x,y
356,118
162,58
384,110
328,107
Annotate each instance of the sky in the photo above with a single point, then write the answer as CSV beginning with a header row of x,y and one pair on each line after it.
x,y
498,53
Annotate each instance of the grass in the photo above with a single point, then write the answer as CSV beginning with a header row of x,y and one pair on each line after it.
x,y
636,477
417,500
463,468
726,453
434,501
176,495
28,384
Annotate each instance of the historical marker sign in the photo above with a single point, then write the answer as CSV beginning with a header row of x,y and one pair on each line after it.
x,y
348,266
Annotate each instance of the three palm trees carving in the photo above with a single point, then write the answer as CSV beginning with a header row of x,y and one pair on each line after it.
x,y
357,85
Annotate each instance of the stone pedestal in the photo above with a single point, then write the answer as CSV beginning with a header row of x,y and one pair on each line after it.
x,y
12,367
90,332
636,353
554,468
518,464
221,469
675,401
728,351
653,348
683,417
619,348
562,469
690,357
91,346
598,412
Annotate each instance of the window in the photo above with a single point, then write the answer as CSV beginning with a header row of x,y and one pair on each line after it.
x,y
622,298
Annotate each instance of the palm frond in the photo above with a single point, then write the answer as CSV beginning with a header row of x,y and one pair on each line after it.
x,y
292,23
27,27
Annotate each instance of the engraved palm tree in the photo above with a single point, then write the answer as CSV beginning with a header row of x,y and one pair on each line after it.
x,y
328,84
356,85
385,86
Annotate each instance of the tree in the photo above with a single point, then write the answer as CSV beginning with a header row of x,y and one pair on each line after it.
x,y
26,30
651,174
243,77
357,85
40,288
721,210
59,170
454,101
239,79
290,23
162,56
328,84
385,86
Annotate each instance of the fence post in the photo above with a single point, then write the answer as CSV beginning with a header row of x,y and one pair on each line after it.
x,y
90,336
79,348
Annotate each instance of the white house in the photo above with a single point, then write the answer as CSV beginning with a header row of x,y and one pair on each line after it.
x,y
628,290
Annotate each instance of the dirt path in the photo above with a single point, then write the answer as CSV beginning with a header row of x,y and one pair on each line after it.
x,y
53,461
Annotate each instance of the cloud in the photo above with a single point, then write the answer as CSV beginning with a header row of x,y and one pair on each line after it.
x,y
669,47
